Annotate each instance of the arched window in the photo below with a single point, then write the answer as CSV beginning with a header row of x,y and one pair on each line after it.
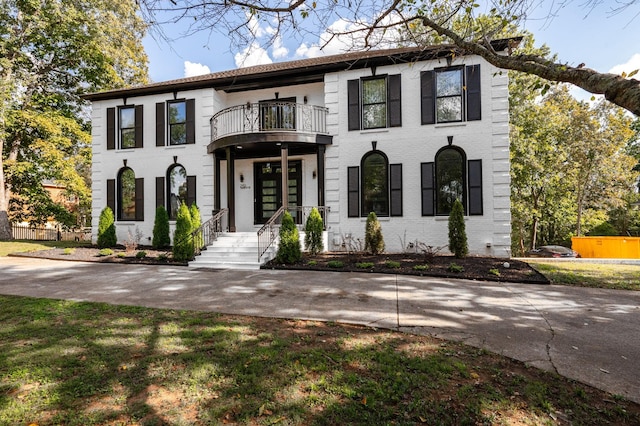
x,y
375,184
176,189
450,179
126,194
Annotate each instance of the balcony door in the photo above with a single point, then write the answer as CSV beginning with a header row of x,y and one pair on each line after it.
x,y
278,114
268,188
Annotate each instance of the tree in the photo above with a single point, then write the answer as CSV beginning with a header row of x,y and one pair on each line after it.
x,y
289,247
107,229
313,232
51,51
182,239
369,23
196,222
457,233
373,239
161,229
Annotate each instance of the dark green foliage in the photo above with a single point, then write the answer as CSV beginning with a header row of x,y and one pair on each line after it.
x,y
313,232
182,241
161,237
605,229
457,233
196,222
107,229
373,239
289,248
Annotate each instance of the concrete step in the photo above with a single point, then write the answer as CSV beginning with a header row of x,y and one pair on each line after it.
x,y
233,250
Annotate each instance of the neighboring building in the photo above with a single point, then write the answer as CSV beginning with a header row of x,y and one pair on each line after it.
x,y
402,132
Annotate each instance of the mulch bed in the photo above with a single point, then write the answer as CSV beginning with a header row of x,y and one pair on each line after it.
x,y
92,254
473,267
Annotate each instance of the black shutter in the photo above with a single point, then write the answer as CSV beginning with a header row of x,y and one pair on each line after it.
x,y
139,198
395,183
428,97
191,190
160,192
111,195
353,95
427,184
160,126
395,103
138,129
353,191
475,187
191,121
111,128
473,93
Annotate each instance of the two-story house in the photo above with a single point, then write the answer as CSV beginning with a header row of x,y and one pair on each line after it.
x,y
401,132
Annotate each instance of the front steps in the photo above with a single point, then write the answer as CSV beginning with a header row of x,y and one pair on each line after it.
x,y
233,250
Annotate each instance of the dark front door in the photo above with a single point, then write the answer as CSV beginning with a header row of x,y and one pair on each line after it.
x,y
268,187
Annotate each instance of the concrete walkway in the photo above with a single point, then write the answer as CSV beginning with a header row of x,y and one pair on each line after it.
x,y
590,335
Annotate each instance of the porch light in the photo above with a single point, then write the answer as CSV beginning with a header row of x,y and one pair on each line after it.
x,y
241,177
313,174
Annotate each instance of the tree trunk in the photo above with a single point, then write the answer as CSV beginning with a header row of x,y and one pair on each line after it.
x,y
5,225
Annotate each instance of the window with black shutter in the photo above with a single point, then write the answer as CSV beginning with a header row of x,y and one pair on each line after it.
x,y
353,191
374,102
427,186
395,186
450,94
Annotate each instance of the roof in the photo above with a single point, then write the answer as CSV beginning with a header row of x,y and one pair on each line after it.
x,y
291,72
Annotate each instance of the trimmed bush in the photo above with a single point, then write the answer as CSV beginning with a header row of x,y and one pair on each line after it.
x,y
196,222
289,247
313,232
182,241
457,233
373,239
107,229
161,231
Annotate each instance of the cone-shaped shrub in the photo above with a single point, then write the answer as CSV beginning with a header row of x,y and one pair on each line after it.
x,y
196,222
373,239
289,248
457,233
107,229
313,232
182,241
161,231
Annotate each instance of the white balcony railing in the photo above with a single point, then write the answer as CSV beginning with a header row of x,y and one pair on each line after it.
x,y
270,116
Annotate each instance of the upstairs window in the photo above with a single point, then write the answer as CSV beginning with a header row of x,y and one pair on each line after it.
x,y
374,103
127,121
175,122
126,131
450,95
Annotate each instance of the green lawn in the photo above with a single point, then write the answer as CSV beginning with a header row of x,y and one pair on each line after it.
x,y
19,246
72,363
620,277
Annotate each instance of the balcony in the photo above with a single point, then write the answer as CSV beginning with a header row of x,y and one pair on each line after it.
x,y
272,122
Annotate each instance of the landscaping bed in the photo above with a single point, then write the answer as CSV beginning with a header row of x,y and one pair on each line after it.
x,y
92,254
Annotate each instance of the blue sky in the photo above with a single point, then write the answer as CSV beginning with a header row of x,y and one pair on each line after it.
x,y
603,41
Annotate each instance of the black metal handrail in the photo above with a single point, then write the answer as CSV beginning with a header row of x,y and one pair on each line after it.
x,y
207,233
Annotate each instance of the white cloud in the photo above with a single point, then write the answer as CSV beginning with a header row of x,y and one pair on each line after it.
x,y
252,55
631,65
278,50
192,69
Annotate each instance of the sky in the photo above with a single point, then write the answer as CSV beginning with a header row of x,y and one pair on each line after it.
x,y
579,34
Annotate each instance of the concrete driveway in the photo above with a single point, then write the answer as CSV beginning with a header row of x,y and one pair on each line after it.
x,y
590,335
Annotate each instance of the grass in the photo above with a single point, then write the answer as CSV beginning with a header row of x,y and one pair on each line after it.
x,y
20,246
610,276
73,363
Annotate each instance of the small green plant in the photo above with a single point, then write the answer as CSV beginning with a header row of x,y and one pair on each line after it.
x,y
121,255
373,239
163,257
68,251
421,268
105,252
161,237
494,271
289,247
457,233
364,265
392,264
312,262
313,232
454,267
182,241
141,254
335,264
107,229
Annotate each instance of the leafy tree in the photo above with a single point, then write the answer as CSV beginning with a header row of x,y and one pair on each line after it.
x,y
50,53
289,247
457,233
182,240
107,229
313,232
366,23
161,231
373,239
196,222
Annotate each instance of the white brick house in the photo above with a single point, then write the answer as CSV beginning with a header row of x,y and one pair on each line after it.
x,y
401,132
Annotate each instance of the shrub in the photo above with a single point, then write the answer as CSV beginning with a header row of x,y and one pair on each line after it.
x,y
313,232
364,265
161,231
494,271
457,234
121,255
335,264
163,257
392,264
312,262
141,254
196,222
454,267
68,250
182,241
107,229
373,240
421,268
289,247
105,252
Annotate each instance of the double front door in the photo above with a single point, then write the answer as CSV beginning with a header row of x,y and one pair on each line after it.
x,y
268,188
